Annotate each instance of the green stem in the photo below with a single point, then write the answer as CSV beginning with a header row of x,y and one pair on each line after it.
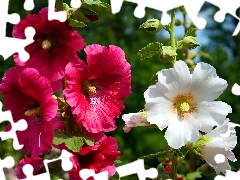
x,y
185,30
172,25
59,5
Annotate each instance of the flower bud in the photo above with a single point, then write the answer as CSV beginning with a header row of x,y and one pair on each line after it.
x,y
183,10
190,42
178,22
151,25
167,54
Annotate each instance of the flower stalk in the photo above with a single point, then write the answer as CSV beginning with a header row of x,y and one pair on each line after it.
x,y
172,39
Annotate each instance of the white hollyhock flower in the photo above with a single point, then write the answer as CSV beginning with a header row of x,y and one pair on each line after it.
x,y
184,102
134,120
217,152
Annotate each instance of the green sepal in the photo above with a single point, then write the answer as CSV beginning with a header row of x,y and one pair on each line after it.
x,y
195,147
150,50
193,175
75,23
191,32
74,142
95,2
205,55
153,80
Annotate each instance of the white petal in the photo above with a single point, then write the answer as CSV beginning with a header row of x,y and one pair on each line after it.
x,y
220,145
175,80
153,94
209,154
206,85
180,132
160,113
212,114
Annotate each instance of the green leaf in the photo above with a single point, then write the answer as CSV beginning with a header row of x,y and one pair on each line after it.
x,y
150,50
88,141
193,175
59,137
78,15
191,32
205,55
153,80
96,2
74,142
75,23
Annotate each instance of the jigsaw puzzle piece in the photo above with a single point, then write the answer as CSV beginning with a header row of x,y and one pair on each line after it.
x,y
52,14
8,162
12,45
20,125
137,167
87,173
8,45
192,7
28,5
229,6
66,166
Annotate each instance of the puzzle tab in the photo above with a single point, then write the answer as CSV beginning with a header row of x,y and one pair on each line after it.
x,y
20,125
192,8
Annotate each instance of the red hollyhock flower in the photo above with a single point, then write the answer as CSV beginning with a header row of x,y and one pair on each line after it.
x,y
55,44
29,96
35,162
95,91
99,157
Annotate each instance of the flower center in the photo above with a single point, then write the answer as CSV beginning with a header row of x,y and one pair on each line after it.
x,y
46,44
88,88
184,104
33,112
91,89
184,107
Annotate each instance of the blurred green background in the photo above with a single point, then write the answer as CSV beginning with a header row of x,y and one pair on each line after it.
x,y
122,29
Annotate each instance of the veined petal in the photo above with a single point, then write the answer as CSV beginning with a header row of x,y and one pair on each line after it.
x,y
212,114
206,85
174,80
95,91
160,113
179,133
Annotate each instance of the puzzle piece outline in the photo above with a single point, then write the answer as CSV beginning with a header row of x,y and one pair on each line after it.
x,y
192,8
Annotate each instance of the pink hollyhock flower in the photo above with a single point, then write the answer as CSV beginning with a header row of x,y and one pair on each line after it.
x,y
29,96
134,120
95,91
35,162
99,157
55,44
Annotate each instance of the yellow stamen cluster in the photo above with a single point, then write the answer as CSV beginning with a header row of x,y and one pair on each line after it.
x,y
184,104
46,44
184,107
91,89
33,112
